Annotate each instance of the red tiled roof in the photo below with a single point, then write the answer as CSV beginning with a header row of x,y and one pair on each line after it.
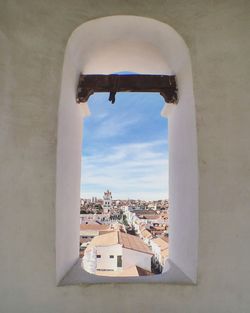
x,y
152,217
142,272
127,241
93,227
165,238
146,234
133,243
161,243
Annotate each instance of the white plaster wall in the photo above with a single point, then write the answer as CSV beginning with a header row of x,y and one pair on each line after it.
x,y
132,258
32,44
105,262
156,249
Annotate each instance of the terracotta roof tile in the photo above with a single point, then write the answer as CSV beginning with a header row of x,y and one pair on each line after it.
x,y
146,234
161,243
93,227
116,237
133,243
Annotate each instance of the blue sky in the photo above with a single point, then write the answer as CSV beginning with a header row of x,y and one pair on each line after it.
x,y
125,147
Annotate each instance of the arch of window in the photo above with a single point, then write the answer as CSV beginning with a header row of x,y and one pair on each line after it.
x,y
145,46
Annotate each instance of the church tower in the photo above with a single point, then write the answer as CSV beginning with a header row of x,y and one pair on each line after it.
x,y
107,201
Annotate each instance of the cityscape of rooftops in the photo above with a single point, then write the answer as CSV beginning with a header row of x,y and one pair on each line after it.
x,y
124,186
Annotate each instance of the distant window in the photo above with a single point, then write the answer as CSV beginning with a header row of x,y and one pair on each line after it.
x,y
111,256
98,256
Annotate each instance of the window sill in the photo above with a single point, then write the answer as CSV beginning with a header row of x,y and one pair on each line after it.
x,y
77,276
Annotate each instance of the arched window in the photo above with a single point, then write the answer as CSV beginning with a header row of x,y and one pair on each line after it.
x,y
145,46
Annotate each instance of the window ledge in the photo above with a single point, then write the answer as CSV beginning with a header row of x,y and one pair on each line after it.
x,y
173,275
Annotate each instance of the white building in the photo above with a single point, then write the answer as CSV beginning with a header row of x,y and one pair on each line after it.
x,y
92,218
119,253
144,234
107,201
159,247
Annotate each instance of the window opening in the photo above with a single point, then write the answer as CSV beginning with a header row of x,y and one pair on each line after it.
x,y
125,185
119,261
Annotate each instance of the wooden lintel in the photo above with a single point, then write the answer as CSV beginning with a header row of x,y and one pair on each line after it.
x,y
163,84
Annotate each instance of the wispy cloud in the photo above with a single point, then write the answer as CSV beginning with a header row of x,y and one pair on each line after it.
x,y
114,126
129,170
125,148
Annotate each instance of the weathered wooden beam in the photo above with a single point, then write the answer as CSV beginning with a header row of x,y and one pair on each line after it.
x,y
163,84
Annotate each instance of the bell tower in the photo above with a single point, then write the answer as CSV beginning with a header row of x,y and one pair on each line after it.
x,y
107,201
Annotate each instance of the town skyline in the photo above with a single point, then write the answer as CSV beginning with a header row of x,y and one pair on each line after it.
x,y
122,199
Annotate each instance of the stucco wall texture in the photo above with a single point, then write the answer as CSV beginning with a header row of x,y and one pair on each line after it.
x,y
33,37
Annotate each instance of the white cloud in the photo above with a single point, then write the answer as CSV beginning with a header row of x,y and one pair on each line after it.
x,y
129,170
113,125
